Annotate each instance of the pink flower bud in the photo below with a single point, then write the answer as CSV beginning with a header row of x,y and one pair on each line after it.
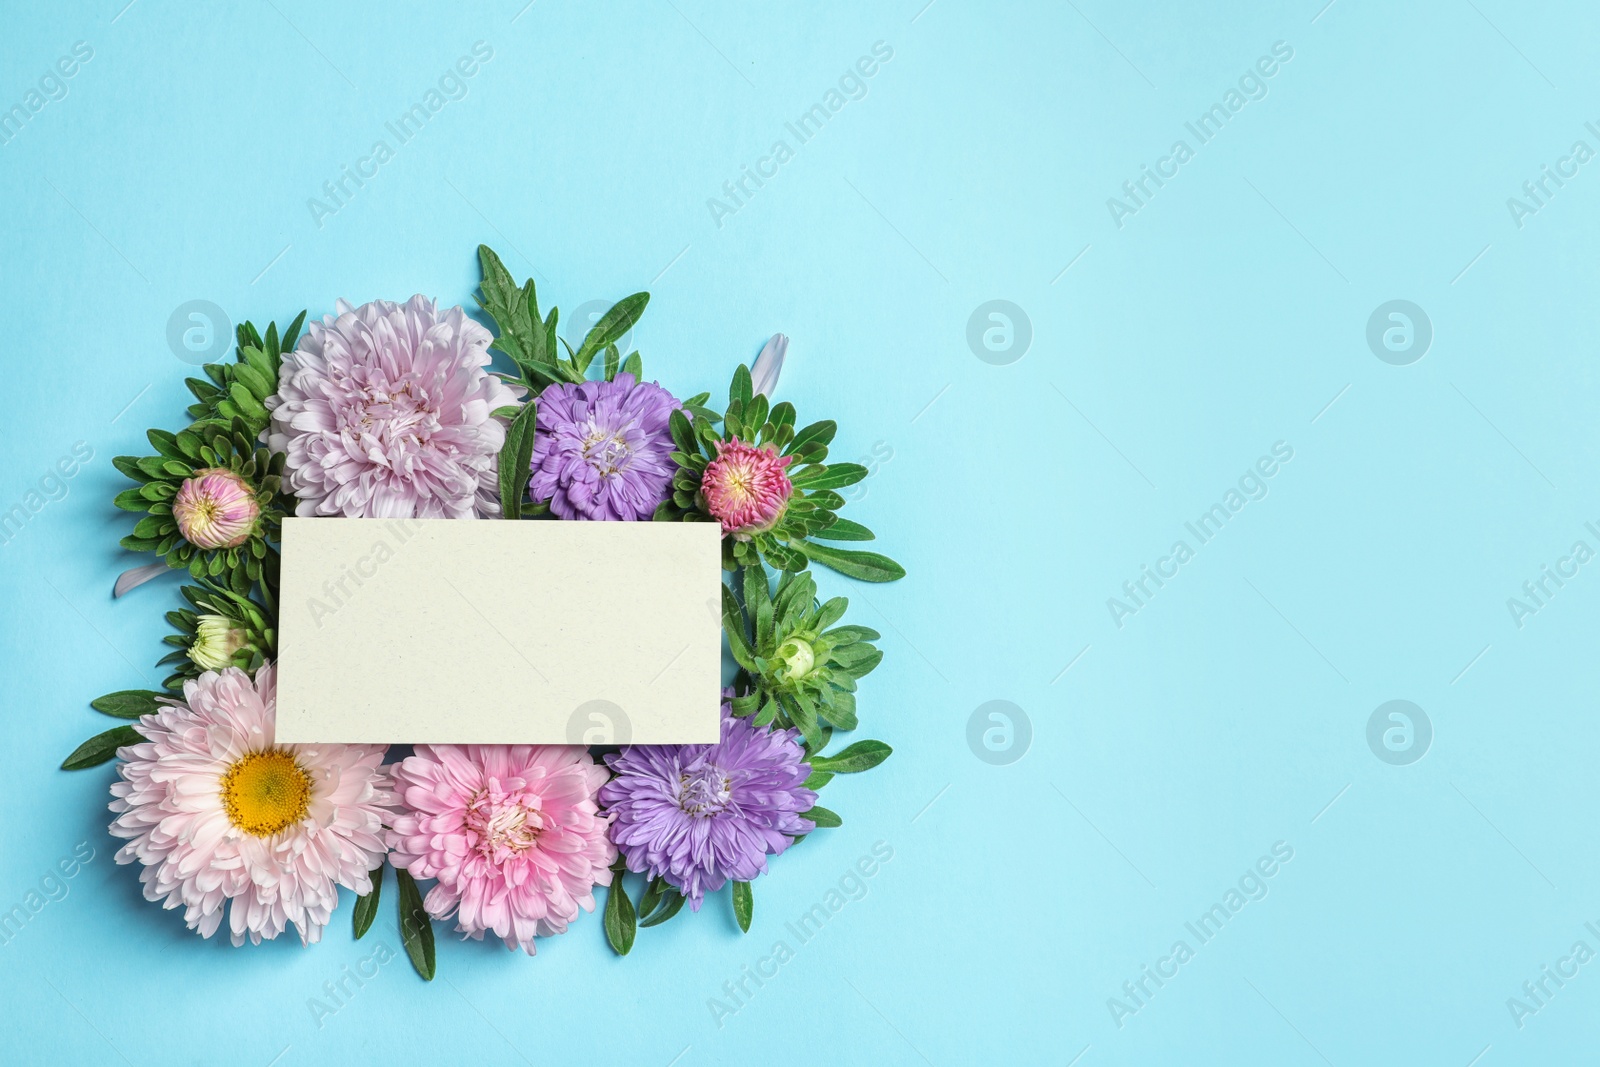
x,y
745,487
215,508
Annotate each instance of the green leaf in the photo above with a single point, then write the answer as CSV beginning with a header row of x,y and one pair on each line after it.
x,y
633,365
822,817
867,566
101,747
804,713
515,456
652,896
367,906
682,432
758,602
820,433
743,905
858,658
127,703
817,780
832,476
416,928
844,634
844,530
131,500
673,905
838,706
620,923
733,625
829,613
612,325
740,389
861,756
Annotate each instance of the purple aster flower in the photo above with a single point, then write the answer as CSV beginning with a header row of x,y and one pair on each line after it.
x,y
699,815
602,450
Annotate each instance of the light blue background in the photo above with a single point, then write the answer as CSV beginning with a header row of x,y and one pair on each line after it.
x,y
1228,314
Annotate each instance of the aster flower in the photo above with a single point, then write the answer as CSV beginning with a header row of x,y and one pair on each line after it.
x,y
210,493
699,816
386,411
216,812
769,485
744,487
512,833
602,450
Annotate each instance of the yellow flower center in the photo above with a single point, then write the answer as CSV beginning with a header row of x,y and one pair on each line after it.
x,y
266,792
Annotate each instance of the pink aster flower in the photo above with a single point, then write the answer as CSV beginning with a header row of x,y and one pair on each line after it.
x,y
386,411
745,487
513,833
215,508
217,812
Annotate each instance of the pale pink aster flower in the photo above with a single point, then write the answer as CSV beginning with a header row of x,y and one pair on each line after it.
x,y
513,833
745,487
386,411
215,508
217,812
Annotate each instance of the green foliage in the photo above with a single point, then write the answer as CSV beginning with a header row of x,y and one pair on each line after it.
x,y
239,390
528,337
802,669
812,512
209,445
255,623
101,747
416,927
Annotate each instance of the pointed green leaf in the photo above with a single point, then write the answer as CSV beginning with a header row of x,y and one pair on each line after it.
x,y
416,928
822,817
620,922
367,907
844,530
127,703
861,756
867,566
101,747
743,905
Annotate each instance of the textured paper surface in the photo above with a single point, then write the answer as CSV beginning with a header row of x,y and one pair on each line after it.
x,y
499,632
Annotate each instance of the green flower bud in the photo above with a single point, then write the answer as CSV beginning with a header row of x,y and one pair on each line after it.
x,y
216,640
799,659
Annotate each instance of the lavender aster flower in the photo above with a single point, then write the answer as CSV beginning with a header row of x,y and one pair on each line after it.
x,y
699,815
386,411
602,450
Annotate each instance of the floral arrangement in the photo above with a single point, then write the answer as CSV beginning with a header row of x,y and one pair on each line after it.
x,y
395,411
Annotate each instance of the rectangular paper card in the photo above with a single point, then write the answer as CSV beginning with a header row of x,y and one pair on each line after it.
x,y
499,632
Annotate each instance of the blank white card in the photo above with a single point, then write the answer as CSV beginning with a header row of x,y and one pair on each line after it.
x,y
499,632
